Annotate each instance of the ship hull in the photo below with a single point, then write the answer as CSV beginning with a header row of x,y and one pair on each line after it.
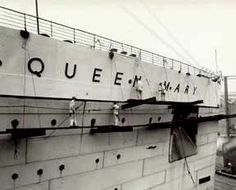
x,y
39,76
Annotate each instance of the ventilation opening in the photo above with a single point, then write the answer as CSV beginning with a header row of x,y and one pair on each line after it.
x,y
204,179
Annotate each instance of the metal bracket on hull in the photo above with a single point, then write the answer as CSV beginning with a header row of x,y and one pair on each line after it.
x,y
109,129
135,102
26,132
190,121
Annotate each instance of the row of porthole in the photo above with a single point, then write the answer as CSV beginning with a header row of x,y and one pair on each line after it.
x,y
61,168
93,121
39,172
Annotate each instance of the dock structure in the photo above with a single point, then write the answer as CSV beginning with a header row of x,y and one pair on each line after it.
x,y
224,183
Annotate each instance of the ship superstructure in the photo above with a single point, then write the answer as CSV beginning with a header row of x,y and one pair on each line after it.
x,y
139,120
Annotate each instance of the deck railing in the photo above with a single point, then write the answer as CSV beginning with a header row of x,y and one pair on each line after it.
x,y
21,21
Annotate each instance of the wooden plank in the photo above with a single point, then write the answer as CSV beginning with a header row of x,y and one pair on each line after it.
x,y
133,102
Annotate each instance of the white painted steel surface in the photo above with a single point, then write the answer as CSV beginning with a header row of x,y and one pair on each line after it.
x,y
16,79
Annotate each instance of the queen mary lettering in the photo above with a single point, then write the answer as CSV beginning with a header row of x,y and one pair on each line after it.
x,y
36,66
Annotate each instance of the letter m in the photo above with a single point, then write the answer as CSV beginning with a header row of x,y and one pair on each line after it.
x,y
136,78
166,85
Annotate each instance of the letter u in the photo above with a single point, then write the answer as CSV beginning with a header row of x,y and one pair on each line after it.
x,y
66,71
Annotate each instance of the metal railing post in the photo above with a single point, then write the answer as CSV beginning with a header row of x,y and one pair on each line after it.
x,y
51,29
140,54
25,21
94,42
180,67
37,15
74,35
163,61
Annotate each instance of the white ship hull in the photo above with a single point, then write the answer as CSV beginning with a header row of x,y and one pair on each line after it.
x,y
40,75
